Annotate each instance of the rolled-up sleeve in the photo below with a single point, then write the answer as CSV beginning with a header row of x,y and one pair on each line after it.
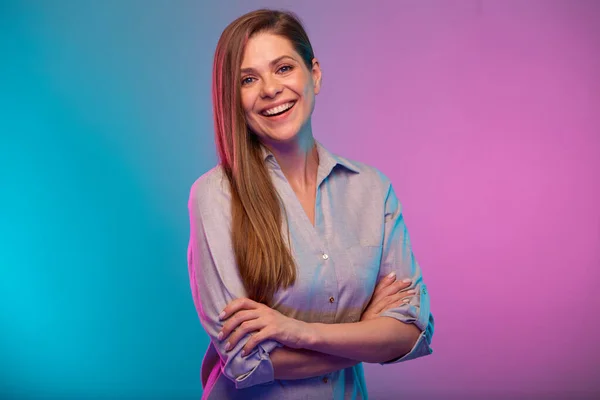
x,y
215,281
397,256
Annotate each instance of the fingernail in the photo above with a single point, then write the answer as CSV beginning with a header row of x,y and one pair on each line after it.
x,y
406,300
222,315
220,335
243,353
407,280
411,291
392,275
227,346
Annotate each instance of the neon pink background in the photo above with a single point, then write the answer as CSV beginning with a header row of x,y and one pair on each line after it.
x,y
485,115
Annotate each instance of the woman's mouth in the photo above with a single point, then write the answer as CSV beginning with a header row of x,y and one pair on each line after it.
x,y
280,110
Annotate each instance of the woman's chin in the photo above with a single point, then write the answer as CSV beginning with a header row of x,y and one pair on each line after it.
x,y
281,137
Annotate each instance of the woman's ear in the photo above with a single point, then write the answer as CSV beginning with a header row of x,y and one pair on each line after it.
x,y
317,76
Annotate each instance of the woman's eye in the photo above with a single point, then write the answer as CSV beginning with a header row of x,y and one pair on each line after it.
x,y
247,80
286,68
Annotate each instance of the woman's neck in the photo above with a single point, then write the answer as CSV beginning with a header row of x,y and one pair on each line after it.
x,y
299,161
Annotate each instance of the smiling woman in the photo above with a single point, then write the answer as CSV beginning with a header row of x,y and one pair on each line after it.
x,y
295,287
278,88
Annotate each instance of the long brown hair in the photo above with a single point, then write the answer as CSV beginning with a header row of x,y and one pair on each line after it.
x,y
264,259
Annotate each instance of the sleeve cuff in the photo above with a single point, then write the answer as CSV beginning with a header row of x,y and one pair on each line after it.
x,y
417,312
257,364
421,348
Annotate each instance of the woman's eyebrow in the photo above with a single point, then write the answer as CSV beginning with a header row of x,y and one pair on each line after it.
x,y
272,63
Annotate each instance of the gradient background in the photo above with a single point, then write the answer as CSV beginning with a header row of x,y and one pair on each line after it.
x,y
485,115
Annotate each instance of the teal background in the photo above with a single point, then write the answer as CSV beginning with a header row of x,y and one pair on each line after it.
x,y
105,121
483,113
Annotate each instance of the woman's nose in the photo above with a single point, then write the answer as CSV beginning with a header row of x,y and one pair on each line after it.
x,y
271,87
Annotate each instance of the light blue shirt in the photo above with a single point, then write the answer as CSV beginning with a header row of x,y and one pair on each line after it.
x,y
358,238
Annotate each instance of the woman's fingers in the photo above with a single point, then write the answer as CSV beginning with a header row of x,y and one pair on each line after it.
x,y
381,285
253,325
241,303
405,296
386,287
239,318
258,337
390,301
389,285
388,280
392,289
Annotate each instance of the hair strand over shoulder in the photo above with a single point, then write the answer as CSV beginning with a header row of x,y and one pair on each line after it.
x,y
263,257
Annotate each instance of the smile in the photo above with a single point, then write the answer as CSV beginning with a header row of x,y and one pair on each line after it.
x,y
279,110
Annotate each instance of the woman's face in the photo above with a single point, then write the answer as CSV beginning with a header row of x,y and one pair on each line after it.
x,y
278,90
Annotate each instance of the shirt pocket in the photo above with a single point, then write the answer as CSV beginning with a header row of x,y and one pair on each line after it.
x,y
365,257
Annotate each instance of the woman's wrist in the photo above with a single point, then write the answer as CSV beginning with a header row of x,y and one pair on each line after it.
x,y
312,335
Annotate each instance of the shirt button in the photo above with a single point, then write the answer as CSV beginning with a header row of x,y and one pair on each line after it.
x,y
325,256
331,299
325,379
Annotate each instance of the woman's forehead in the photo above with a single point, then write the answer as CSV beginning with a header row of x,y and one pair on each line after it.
x,y
264,48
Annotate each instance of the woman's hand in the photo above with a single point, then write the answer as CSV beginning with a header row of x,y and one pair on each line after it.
x,y
388,294
263,323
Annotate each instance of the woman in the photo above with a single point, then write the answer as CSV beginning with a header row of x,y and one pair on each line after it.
x,y
300,263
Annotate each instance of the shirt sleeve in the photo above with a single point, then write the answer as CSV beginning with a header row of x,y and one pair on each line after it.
x,y
215,282
397,256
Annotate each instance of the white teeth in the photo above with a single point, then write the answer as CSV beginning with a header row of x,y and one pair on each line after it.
x,y
278,109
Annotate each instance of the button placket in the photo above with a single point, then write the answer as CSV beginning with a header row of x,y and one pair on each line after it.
x,y
330,289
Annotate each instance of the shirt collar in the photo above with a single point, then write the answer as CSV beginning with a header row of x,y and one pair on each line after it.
x,y
327,161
